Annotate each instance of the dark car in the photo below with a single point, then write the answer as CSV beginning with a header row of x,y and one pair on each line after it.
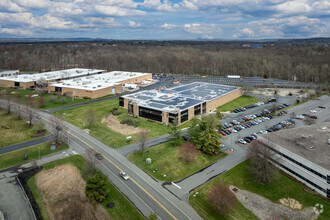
x,y
313,116
321,106
186,137
99,156
247,139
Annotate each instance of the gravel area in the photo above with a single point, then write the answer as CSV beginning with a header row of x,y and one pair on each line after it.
x,y
266,209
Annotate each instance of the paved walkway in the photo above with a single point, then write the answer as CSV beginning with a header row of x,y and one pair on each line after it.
x,y
25,144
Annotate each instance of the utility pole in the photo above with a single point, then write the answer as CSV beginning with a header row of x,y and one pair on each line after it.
x,y
38,152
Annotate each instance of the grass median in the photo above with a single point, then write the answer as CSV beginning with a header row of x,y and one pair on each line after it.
x,y
27,154
166,160
18,131
122,209
108,136
238,103
281,187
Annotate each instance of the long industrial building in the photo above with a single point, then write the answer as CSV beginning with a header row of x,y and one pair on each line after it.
x,y
27,81
180,103
303,153
99,85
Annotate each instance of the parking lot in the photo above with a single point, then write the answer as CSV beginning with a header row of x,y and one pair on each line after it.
x,y
278,122
243,81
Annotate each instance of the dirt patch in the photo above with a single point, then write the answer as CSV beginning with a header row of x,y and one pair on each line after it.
x,y
266,209
64,196
291,203
113,124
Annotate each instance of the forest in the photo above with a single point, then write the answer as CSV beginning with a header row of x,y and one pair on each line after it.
x,y
301,62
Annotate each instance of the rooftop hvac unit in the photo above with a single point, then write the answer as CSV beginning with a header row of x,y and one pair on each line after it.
x,y
132,74
117,73
99,86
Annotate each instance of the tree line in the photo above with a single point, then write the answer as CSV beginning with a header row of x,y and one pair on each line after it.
x,y
306,63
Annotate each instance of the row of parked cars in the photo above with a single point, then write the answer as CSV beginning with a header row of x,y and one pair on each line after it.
x,y
237,110
274,128
246,122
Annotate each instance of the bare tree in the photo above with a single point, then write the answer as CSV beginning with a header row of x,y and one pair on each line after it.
x,y
18,106
56,128
221,199
9,101
90,117
142,138
261,167
188,152
30,109
90,165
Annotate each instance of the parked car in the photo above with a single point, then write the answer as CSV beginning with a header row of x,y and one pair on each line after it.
x,y
242,141
313,116
124,175
321,106
312,111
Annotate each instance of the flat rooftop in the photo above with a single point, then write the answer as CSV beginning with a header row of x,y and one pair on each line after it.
x,y
96,82
309,142
180,97
53,75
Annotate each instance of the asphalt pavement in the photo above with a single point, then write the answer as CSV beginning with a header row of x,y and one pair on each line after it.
x,y
25,144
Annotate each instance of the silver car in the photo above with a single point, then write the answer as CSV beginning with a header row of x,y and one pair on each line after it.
x,y
124,175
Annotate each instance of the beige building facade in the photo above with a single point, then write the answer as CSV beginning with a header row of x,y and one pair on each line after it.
x,y
137,106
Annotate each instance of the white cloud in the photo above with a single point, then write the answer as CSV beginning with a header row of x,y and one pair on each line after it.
x,y
168,26
133,24
15,18
208,31
49,22
33,3
293,7
19,32
7,5
117,11
158,5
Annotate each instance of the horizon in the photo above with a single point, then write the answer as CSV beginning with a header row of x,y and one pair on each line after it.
x,y
165,19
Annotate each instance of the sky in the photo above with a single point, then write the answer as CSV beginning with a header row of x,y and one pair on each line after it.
x,y
165,19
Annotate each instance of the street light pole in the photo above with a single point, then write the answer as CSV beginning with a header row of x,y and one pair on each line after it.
x,y
38,152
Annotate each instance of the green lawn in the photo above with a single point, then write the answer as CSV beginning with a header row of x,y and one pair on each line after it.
x,y
282,187
27,154
111,138
167,155
123,209
49,104
19,130
237,103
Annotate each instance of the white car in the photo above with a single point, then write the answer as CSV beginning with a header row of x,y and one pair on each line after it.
x,y
313,111
300,117
242,141
124,175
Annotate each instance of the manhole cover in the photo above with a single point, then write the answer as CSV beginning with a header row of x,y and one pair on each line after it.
x,y
110,205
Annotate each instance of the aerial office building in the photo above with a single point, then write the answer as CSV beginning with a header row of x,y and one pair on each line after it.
x,y
100,85
27,81
180,103
303,153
